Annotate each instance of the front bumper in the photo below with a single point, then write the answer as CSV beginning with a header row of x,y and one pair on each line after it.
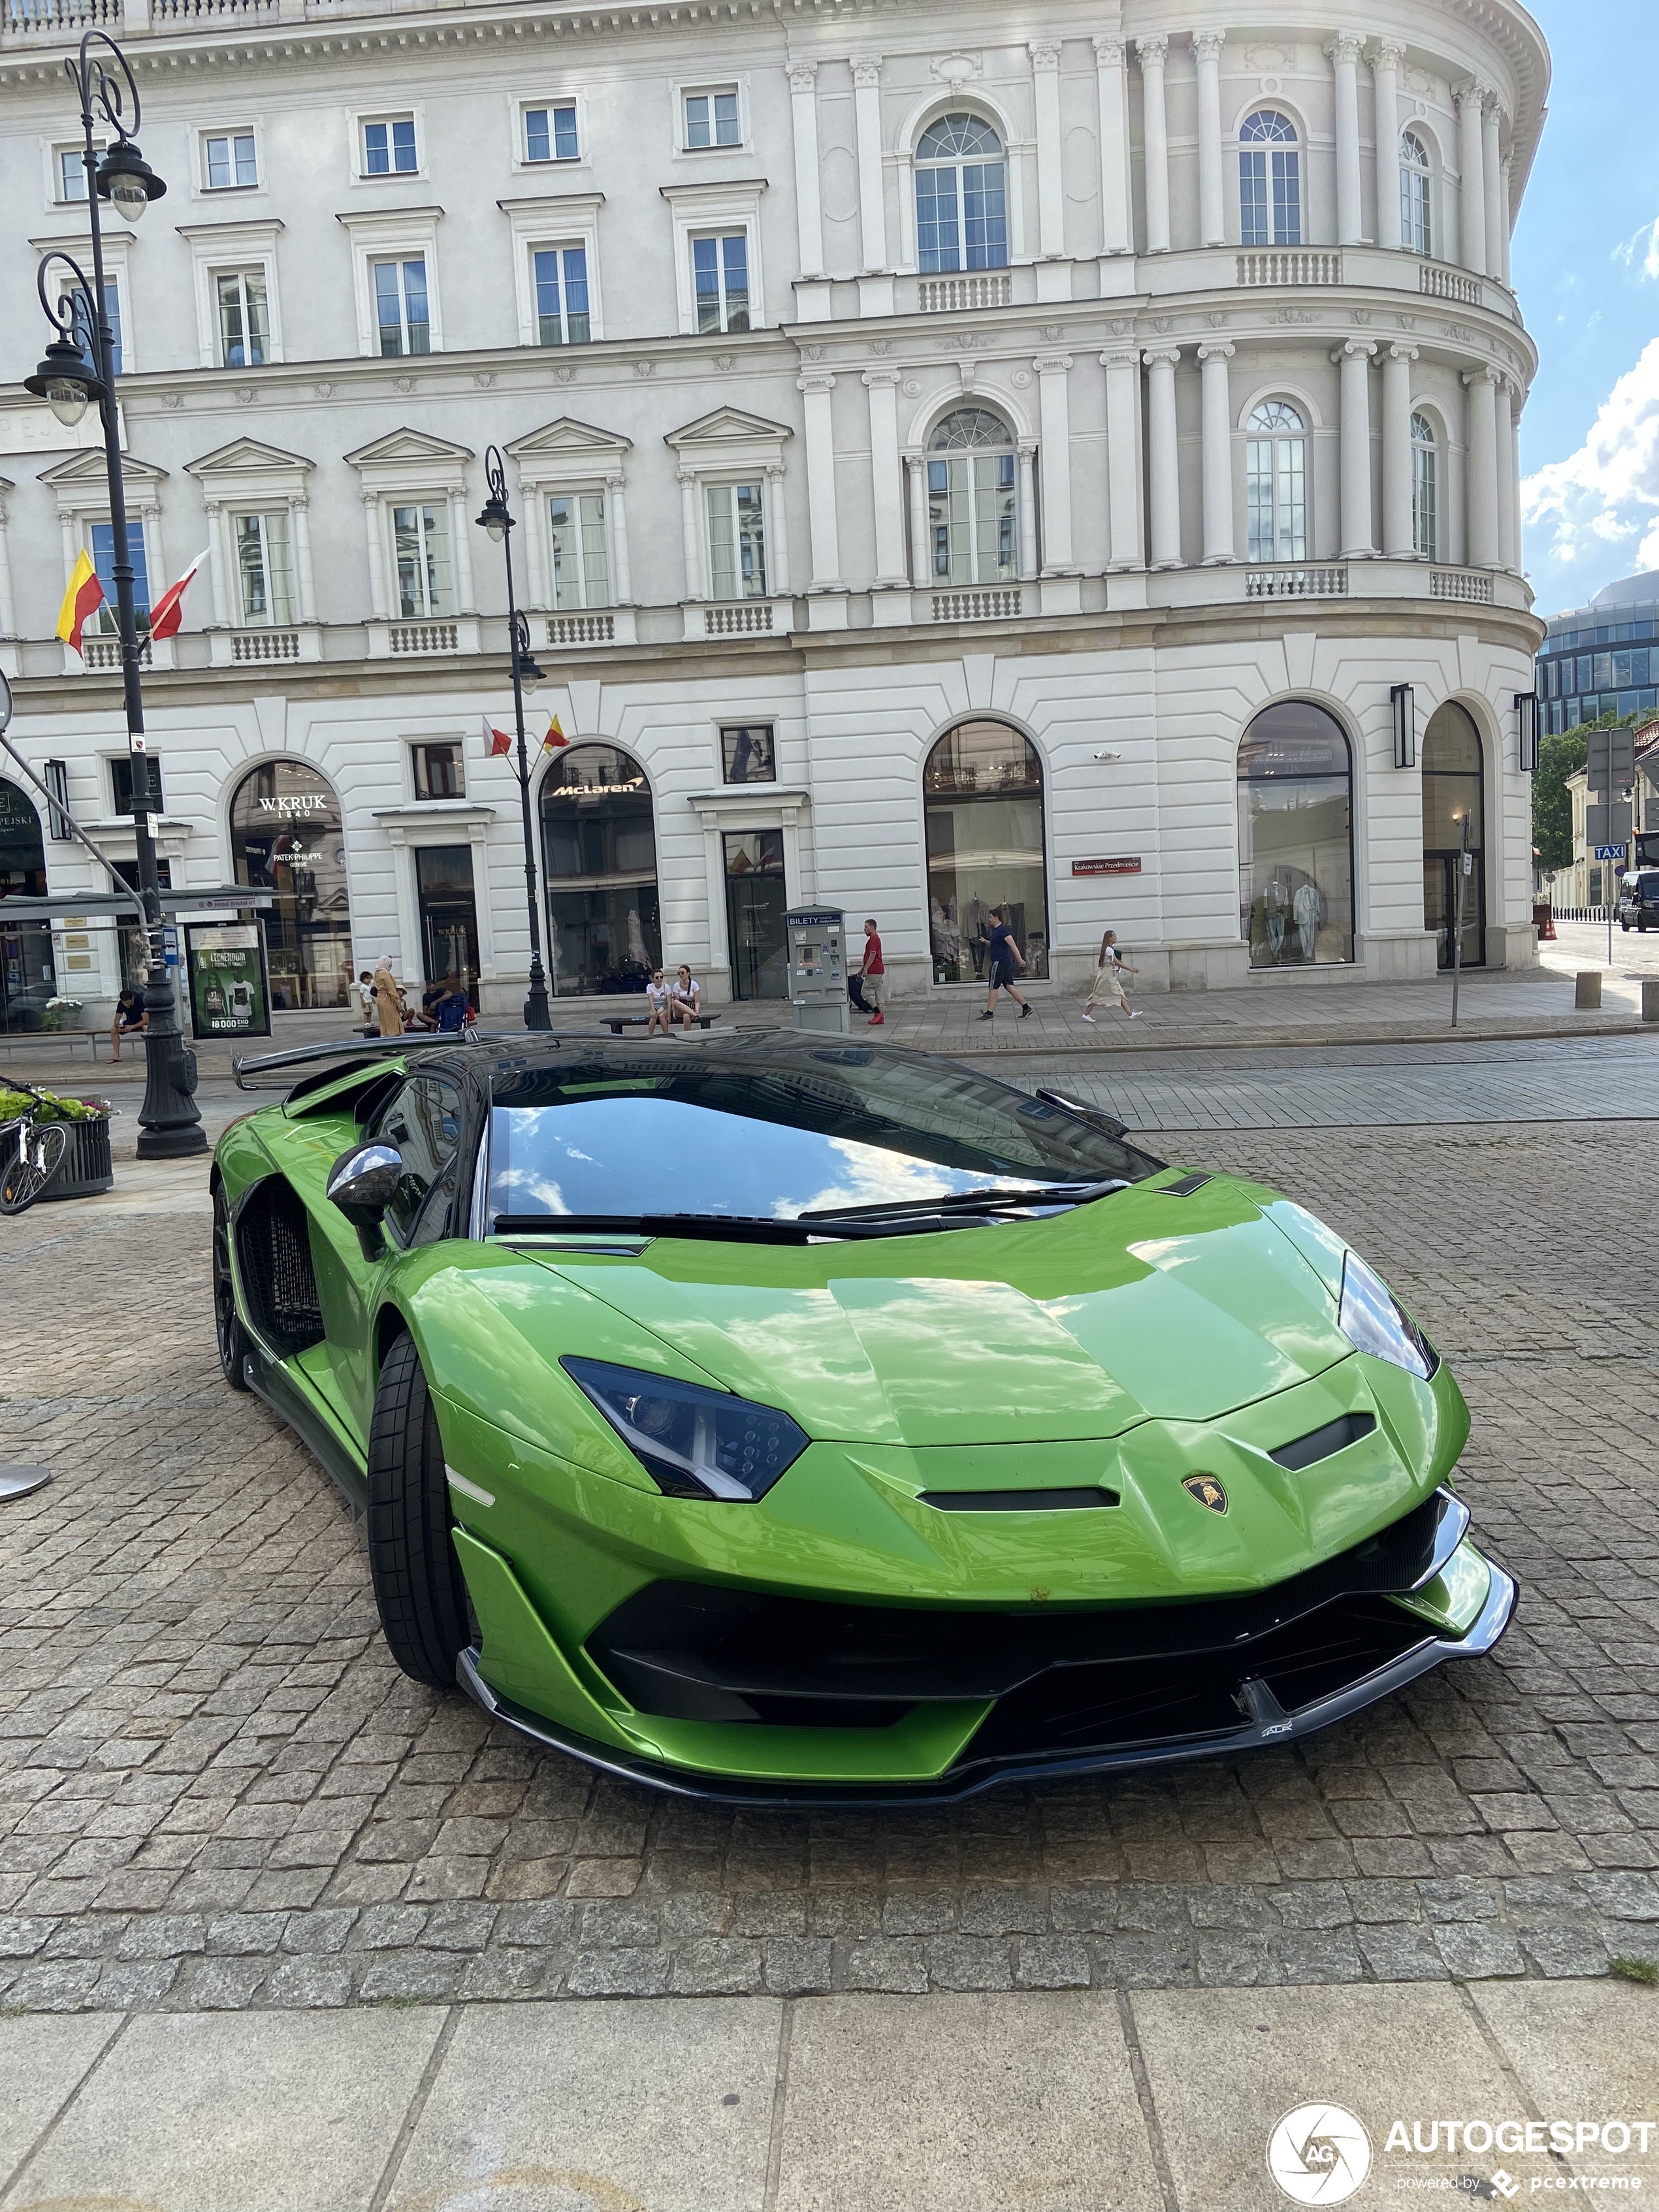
x,y
1007,1697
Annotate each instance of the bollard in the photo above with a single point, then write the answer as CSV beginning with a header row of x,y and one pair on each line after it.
x,y
1587,991
1650,998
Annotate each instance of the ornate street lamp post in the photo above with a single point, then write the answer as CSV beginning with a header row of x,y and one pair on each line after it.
x,y
169,1122
498,521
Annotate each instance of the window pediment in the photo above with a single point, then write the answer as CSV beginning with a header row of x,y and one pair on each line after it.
x,y
564,453
727,430
411,460
82,486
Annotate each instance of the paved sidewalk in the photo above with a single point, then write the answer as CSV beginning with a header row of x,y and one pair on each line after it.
x,y
1150,2102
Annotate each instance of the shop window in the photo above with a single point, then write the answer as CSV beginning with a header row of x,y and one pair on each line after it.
x,y
756,903
1295,838
287,837
1454,794
982,799
600,854
748,754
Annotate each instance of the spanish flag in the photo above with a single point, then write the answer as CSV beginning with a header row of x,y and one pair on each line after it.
x,y
555,736
84,597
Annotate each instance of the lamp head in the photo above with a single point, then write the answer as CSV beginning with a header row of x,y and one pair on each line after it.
x,y
125,179
495,518
65,380
530,675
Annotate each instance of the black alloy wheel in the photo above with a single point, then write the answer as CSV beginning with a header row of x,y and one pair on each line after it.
x,y
234,1346
418,1585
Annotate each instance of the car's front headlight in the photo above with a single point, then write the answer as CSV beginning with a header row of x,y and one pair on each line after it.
x,y
691,1442
1373,1319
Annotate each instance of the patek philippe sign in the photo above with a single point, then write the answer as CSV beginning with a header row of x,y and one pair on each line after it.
x,y
1128,865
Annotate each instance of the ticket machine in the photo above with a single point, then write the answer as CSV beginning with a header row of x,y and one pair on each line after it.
x,y
818,969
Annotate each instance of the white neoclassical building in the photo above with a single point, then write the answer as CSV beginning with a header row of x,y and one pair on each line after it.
x,y
1062,460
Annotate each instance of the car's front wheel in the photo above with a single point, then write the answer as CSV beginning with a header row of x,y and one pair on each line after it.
x,y
234,1346
418,1585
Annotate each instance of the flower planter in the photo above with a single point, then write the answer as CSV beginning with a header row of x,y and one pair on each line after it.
x,y
87,1168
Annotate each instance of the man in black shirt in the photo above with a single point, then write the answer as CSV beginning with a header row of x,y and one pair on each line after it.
x,y
1003,954
131,1018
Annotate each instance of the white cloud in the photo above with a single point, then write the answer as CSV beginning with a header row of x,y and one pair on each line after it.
x,y
1607,494
1644,241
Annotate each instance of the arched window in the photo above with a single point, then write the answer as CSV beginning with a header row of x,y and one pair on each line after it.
x,y
961,193
973,521
600,850
1425,489
1454,791
1295,838
1269,180
1276,483
287,837
982,793
1416,222
29,979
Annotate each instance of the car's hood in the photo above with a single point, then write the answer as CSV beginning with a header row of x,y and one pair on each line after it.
x,y
1141,1304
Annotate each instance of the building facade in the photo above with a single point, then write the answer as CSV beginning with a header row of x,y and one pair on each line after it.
x,y
1012,464
1602,658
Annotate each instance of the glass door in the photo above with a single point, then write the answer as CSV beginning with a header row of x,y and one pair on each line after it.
x,y
756,903
449,919
1440,907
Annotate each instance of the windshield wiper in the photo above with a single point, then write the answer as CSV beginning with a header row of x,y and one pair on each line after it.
x,y
925,1216
749,1228
973,1202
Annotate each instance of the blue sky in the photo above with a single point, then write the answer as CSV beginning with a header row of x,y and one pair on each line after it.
x,y
1586,266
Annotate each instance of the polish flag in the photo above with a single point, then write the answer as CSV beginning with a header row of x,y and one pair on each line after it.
x,y
496,741
168,612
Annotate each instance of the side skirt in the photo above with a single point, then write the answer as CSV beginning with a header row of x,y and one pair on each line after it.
x,y
270,1381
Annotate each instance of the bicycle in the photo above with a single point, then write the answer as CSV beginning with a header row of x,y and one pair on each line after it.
x,y
41,1148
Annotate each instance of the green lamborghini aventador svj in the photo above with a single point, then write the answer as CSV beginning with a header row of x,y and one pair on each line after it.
x,y
773,1418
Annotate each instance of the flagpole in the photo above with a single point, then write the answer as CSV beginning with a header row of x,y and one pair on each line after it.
x,y
498,520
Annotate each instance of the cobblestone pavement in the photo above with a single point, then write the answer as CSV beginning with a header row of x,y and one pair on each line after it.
x,y
216,1791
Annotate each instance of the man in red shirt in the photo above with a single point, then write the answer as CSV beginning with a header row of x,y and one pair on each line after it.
x,y
872,974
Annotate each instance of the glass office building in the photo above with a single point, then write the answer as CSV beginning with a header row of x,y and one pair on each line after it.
x,y
1602,658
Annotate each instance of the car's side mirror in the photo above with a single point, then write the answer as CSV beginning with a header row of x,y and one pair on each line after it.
x,y
362,1182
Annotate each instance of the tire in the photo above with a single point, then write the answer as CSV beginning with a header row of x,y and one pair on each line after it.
x,y
233,1345
40,1153
418,1585
1641,925
1624,924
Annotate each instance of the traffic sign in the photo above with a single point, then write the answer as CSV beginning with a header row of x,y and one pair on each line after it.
x,y
1610,852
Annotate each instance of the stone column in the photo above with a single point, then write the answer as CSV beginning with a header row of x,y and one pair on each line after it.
x,y
460,525
777,535
222,565
1504,238
1472,198
821,483
1218,408
1398,537
1386,59
1482,538
1496,211
1212,215
1056,457
1122,367
1028,560
380,599
920,562
1163,456
305,587
1344,55
690,537
866,118
532,508
8,602
622,582
1051,188
1156,141
1116,229
885,474
1359,538
804,113
1509,516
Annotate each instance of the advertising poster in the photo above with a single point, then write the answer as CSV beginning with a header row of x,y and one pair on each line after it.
x,y
228,992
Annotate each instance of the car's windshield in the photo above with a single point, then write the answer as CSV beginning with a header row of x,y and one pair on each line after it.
x,y
795,1133
1645,887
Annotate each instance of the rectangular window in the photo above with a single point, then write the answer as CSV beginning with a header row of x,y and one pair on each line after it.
x,y
1585,679
420,538
400,306
120,777
263,567
83,321
719,276
1603,669
389,147
1269,198
581,566
102,550
230,161
71,173
711,119
971,519
561,278
244,322
550,134
440,772
736,542
747,753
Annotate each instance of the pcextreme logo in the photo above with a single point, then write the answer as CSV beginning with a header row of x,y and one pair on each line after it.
x,y
1319,2155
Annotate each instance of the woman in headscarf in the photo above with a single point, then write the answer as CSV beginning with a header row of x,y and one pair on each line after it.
x,y
388,999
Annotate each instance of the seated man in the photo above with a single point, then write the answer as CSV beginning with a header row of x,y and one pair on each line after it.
x,y
131,1018
451,1008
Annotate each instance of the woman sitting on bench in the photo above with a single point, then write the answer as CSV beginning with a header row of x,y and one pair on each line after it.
x,y
687,1001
